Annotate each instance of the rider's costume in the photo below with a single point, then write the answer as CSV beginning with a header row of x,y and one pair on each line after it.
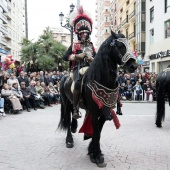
x,y
80,53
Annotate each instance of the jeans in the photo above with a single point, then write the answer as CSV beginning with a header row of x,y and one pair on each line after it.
x,y
1,102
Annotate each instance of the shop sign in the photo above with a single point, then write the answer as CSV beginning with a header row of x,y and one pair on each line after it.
x,y
3,51
161,54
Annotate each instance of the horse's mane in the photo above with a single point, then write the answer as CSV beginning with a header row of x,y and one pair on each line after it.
x,y
99,68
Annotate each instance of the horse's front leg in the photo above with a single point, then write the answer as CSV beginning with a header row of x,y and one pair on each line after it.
x,y
96,155
69,138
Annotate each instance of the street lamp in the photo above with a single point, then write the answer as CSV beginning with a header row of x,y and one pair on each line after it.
x,y
67,25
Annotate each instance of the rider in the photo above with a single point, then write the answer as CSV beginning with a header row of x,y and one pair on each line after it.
x,y
80,53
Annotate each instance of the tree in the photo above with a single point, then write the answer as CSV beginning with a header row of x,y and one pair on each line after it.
x,y
46,53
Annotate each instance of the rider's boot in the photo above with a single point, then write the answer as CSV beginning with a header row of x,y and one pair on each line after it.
x,y
76,96
107,113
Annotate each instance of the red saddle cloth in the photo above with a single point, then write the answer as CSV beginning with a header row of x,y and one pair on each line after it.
x,y
87,125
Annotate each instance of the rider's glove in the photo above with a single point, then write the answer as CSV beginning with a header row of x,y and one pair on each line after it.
x,y
80,56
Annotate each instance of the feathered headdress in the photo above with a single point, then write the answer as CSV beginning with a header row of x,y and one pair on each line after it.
x,y
81,21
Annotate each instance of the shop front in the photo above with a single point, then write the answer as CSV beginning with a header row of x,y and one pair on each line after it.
x,y
159,61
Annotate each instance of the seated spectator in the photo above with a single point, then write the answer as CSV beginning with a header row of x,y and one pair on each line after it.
x,y
23,78
12,79
138,90
2,113
128,90
28,99
45,95
34,93
153,85
17,92
6,92
53,93
148,89
122,91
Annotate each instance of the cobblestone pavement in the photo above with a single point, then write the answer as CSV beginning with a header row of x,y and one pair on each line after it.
x,y
29,141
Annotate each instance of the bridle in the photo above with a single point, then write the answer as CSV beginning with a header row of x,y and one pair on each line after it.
x,y
128,53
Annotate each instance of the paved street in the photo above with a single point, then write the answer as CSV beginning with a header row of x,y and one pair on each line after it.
x,y
29,141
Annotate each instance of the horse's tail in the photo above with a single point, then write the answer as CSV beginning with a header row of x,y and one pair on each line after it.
x,y
65,107
160,113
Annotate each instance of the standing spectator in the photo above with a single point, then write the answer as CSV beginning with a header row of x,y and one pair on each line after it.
x,y
138,90
28,99
2,106
24,79
1,80
12,79
121,78
132,79
128,90
60,68
148,89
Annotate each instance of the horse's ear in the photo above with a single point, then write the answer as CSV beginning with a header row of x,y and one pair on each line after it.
x,y
114,35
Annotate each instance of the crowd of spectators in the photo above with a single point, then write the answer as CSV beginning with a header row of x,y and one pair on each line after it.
x,y
139,84
21,90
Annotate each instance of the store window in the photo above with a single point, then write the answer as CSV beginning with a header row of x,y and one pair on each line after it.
x,y
167,29
167,6
151,14
151,36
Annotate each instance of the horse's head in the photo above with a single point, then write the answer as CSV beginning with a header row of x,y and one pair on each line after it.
x,y
122,53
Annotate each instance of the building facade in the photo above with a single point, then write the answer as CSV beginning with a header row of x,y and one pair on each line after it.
x,y
61,36
158,34
12,27
128,17
103,21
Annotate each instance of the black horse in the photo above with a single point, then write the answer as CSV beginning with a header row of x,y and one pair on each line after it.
x,y
114,51
162,90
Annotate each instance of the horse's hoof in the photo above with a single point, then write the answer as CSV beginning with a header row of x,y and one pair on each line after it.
x,y
159,125
102,165
69,145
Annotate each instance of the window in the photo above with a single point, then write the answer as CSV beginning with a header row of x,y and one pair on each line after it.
x,y
115,7
115,21
106,19
151,14
127,2
167,29
151,36
167,6
127,33
121,10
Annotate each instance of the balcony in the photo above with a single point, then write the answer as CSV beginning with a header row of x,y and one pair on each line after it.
x,y
8,36
8,46
119,27
132,15
3,17
8,15
3,41
132,36
3,29
9,5
125,22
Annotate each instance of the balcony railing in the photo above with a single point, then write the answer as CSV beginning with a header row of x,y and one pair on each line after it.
x,y
119,26
125,21
132,35
132,14
3,29
3,40
3,17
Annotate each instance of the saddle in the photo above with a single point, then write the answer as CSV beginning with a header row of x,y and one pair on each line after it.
x,y
82,72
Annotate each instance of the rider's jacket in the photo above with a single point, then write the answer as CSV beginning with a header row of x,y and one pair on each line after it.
x,y
77,48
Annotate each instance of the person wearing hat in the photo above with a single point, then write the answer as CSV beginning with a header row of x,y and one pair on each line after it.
x,y
80,53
